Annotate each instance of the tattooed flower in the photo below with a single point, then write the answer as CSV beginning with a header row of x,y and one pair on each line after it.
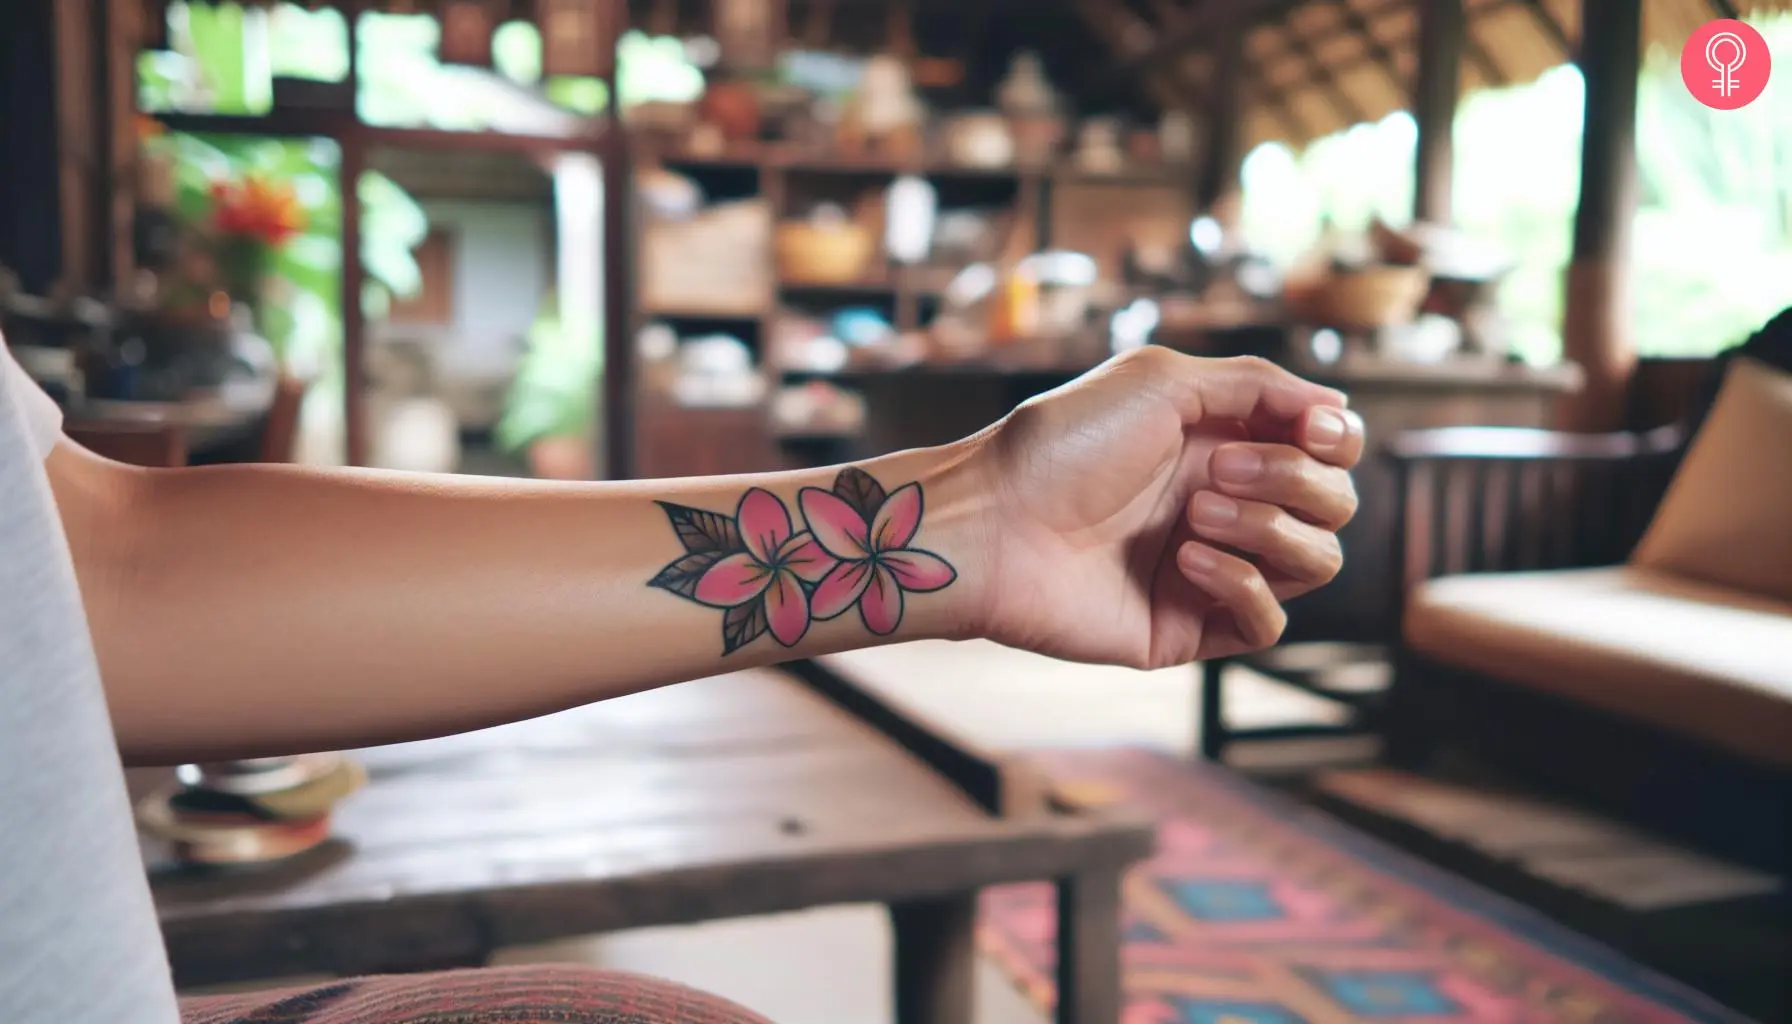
x,y
774,566
868,532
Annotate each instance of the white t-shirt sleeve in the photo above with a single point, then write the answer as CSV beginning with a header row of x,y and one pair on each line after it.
x,y
43,420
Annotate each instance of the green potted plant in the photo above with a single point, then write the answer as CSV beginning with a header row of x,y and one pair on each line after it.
x,y
550,413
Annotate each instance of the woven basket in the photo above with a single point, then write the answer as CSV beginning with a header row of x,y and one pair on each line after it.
x,y
712,262
1369,298
823,253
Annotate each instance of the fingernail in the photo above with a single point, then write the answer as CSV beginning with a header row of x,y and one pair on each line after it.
x,y
1236,465
1326,428
1212,509
1199,560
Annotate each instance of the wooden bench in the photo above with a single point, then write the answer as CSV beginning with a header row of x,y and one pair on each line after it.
x,y
753,793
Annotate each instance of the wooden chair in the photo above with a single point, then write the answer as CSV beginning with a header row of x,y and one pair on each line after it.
x,y
280,431
1491,500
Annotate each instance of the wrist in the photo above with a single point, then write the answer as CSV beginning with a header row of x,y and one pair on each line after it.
x,y
817,561
956,525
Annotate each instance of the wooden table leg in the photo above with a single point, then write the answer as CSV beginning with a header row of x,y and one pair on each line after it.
x,y
1089,948
935,959
1211,729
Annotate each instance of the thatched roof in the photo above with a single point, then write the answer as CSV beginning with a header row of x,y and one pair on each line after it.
x,y
1311,67
1316,66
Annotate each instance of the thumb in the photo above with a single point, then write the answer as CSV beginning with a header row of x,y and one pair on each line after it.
x,y
1242,388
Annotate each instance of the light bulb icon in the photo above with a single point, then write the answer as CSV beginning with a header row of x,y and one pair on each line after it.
x,y
1725,52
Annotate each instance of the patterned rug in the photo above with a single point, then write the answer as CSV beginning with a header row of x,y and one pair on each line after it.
x,y
1257,910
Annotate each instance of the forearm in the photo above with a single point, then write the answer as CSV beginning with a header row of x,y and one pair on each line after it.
x,y
245,611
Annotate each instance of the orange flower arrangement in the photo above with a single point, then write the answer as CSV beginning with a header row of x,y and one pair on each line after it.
x,y
258,210
251,220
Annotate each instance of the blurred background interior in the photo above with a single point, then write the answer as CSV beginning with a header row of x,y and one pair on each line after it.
x,y
589,239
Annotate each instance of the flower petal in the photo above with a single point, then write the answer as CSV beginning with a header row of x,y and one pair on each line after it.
x,y
917,570
898,519
881,607
809,560
840,589
837,526
734,580
787,608
764,523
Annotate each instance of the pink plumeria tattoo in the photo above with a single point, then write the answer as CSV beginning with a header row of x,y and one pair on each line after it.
x,y
768,577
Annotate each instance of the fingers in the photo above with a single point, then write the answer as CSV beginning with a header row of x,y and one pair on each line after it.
x,y
1300,555
1234,389
1333,436
1283,475
1240,587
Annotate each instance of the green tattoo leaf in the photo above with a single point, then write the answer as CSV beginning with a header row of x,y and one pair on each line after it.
x,y
702,531
857,488
681,576
743,625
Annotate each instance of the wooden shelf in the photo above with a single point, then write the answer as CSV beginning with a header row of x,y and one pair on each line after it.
x,y
868,286
922,371
774,157
1144,176
688,313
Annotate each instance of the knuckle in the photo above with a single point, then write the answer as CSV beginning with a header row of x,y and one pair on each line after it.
x,y
1292,472
1255,589
1256,365
1146,355
1278,525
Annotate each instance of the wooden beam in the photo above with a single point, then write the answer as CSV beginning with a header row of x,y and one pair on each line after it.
x,y
1202,26
1255,86
1223,152
1472,48
123,39
619,389
1277,101
1379,55
1322,75
1442,29
357,440
1596,331
1552,27
353,276
1107,19
79,142
1378,51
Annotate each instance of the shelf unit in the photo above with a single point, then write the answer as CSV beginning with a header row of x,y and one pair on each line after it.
x,y
908,294
788,180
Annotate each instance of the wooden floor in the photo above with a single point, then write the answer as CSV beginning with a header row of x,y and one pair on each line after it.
x,y
832,965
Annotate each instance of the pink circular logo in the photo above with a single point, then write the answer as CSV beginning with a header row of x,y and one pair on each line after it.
x,y
1725,64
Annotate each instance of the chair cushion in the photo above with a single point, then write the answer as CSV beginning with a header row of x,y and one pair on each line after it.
x,y
1725,517
1691,658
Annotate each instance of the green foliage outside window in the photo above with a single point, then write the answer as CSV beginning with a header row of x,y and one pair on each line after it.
x,y
1711,243
223,63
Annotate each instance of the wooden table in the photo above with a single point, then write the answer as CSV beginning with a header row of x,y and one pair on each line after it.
x,y
746,794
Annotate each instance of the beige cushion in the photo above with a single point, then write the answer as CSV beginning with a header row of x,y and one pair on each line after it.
x,y
1695,659
1727,517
